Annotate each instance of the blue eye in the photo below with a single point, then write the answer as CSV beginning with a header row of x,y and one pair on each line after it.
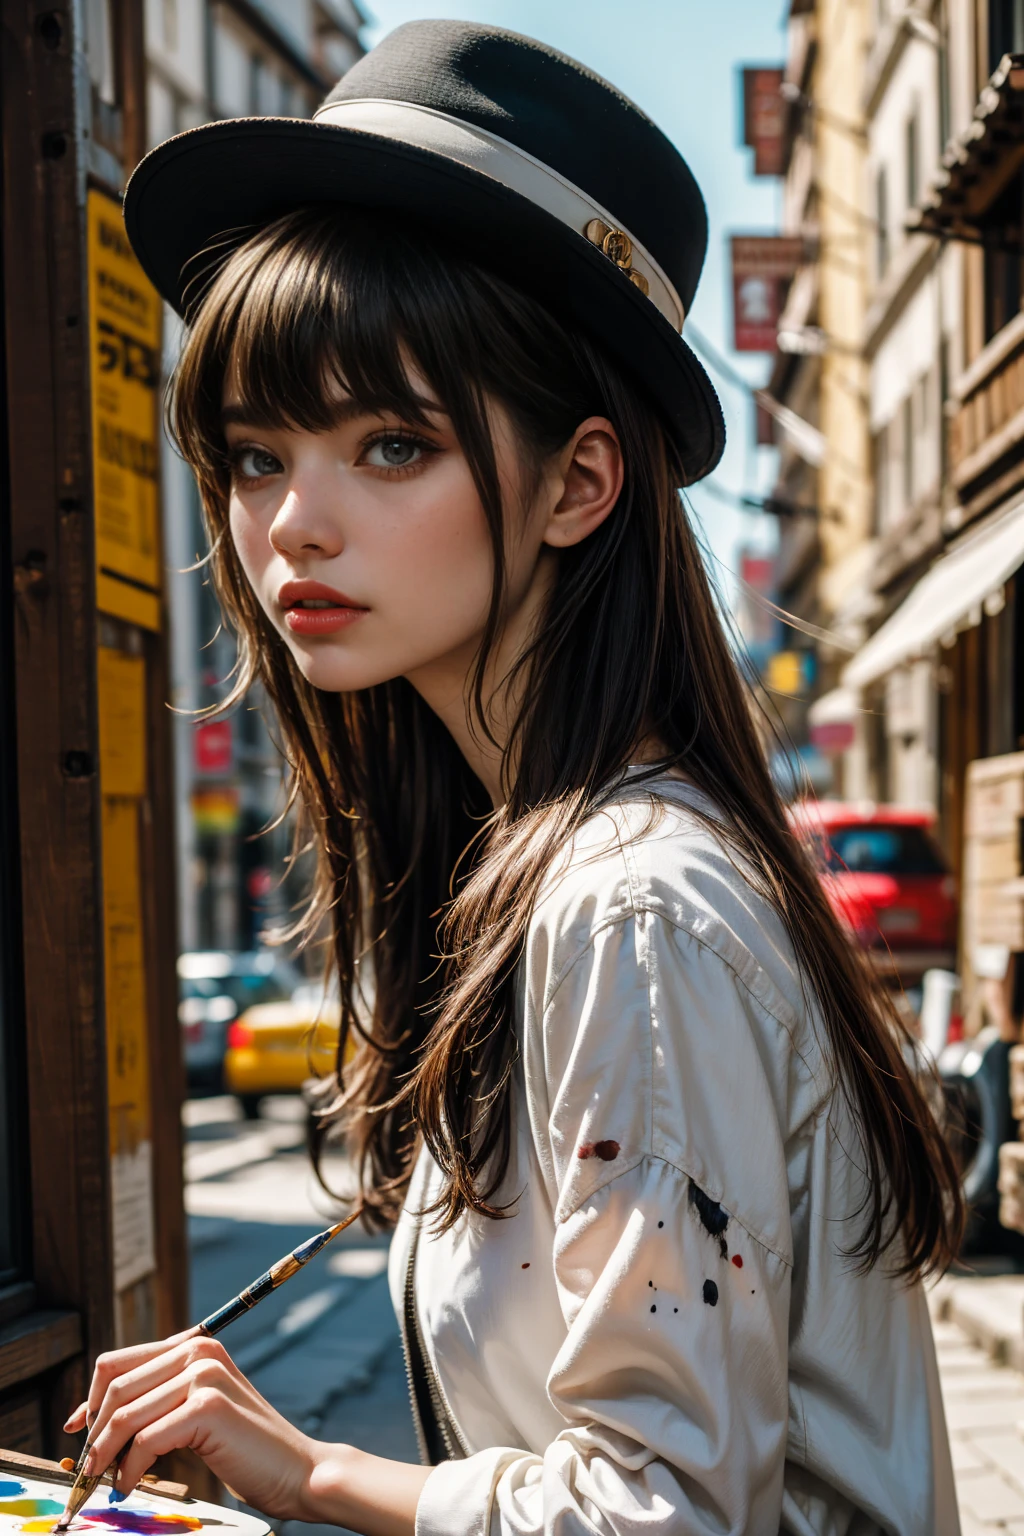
x,y
255,463
393,453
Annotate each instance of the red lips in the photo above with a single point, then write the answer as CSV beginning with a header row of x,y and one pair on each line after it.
x,y
311,608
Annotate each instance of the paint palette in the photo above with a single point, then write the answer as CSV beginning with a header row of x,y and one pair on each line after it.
x,y
29,1505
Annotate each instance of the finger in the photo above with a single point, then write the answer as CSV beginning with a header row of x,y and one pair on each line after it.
x,y
174,1356
76,1420
125,1422
116,1362
188,1426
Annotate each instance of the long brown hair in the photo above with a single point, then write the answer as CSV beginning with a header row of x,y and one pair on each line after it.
x,y
426,887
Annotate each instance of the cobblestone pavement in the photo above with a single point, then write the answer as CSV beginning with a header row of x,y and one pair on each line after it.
x,y
978,1323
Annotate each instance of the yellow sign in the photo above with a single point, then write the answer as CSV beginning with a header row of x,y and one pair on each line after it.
x,y
122,721
786,673
127,1056
124,345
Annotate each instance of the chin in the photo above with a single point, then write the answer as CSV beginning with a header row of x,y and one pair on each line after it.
x,y
328,668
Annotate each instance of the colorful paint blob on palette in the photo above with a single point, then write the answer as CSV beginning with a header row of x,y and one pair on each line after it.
x,y
22,1510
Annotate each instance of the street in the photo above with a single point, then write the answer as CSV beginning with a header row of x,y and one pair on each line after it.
x,y
325,1348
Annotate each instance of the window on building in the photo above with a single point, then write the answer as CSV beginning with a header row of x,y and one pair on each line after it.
x,y
881,222
927,436
169,24
232,83
1005,29
99,48
880,477
1002,260
942,20
265,92
257,88
912,161
907,415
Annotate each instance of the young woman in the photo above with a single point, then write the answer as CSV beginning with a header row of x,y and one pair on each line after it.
x,y
664,1186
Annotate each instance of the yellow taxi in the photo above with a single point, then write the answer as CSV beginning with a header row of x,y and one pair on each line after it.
x,y
276,1047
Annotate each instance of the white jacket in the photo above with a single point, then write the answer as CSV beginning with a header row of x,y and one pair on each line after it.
x,y
664,1338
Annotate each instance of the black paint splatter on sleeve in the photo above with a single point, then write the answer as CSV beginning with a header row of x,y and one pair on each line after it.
x,y
710,1293
713,1218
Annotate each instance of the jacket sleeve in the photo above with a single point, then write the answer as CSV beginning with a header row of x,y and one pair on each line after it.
x,y
672,1378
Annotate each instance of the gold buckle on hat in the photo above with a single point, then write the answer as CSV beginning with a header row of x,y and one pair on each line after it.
x,y
618,247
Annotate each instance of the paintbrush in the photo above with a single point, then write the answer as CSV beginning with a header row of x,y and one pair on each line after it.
x,y
83,1486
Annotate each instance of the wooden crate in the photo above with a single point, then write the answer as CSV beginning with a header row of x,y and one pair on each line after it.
x,y
992,894
1011,1185
1017,1081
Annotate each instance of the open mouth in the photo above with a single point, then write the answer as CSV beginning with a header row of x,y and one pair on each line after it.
x,y
310,609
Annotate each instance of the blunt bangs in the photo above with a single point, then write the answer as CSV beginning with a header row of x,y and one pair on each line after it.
x,y
334,302
306,310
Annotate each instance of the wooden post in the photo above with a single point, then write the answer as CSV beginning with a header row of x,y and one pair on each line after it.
x,y
89,987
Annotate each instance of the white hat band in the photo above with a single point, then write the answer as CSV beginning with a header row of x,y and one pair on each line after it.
x,y
476,149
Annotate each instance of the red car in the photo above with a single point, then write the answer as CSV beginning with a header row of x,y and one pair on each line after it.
x,y
887,880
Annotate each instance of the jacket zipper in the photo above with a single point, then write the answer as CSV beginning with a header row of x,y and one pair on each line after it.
x,y
437,1437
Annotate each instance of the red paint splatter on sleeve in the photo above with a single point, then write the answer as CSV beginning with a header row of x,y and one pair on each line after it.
x,y
607,1151
524,1266
737,1261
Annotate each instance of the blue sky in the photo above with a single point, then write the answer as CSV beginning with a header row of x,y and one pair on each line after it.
x,y
678,60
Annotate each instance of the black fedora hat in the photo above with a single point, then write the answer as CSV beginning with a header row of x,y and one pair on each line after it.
x,y
511,152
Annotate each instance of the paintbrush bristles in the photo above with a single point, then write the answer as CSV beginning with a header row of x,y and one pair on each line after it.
x,y
82,1489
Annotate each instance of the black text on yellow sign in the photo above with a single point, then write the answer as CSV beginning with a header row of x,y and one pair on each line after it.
x,y
124,337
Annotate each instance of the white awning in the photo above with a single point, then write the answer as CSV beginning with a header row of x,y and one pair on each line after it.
x,y
950,597
840,706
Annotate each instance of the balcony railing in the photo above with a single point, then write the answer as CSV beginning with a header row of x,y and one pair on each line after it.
x,y
988,425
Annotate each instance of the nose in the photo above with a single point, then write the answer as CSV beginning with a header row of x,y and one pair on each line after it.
x,y
306,524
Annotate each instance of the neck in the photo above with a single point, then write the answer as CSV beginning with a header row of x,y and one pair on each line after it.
x,y
446,685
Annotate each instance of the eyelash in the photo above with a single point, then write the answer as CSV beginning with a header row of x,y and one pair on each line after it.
x,y
235,457
412,439
426,447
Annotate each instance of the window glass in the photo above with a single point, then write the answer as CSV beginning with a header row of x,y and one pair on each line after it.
x,y
1005,29
881,223
880,850
908,453
1001,258
912,158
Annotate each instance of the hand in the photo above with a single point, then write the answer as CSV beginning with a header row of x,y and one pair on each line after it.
x,y
187,1392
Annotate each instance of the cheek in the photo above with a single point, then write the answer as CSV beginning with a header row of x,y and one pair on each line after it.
x,y
440,557
251,543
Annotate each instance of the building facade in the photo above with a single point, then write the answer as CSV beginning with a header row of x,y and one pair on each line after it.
x,y
946,343
823,497
210,59
912,342
901,365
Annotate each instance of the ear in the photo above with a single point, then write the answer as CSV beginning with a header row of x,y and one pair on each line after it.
x,y
591,473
